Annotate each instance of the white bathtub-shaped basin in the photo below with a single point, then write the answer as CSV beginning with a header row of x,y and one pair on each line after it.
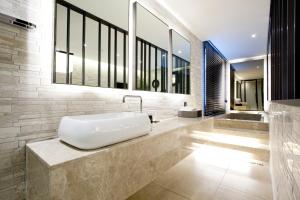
x,y
95,131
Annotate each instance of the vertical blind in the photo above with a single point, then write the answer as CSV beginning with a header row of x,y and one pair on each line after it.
x,y
214,72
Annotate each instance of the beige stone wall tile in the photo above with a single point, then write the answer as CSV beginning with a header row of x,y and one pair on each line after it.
x,y
284,145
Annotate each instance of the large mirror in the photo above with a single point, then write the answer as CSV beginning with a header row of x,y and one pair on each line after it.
x,y
247,83
91,43
181,64
152,43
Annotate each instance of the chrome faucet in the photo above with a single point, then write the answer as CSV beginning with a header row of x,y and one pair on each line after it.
x,y
134,96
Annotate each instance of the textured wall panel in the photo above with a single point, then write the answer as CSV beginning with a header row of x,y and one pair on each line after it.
x,y
285,149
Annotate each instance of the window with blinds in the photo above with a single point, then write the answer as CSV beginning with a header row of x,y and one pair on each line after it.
x,y
214,80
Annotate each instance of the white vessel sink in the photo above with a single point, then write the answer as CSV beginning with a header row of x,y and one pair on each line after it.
x,y
95,131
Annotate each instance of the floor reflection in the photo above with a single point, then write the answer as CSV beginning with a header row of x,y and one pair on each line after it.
x,y
224,165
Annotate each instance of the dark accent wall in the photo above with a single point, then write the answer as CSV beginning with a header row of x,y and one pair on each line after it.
x,y
214,72
283,47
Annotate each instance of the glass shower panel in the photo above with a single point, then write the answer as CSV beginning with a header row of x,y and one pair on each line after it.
x,y
243,89
260,95
251,95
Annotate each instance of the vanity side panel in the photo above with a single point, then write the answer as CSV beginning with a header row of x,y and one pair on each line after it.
x,y
119,172
37,177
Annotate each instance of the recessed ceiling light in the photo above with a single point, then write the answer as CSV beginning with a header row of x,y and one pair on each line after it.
x,y
179,51
253,35
257,67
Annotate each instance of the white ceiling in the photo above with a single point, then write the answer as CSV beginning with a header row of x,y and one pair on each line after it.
x,y
229,24
249,70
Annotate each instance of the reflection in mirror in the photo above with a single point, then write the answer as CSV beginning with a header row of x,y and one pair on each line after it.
x,y
91,43
61,44
75,59
91,52
238,89
181,64
247,85
151,52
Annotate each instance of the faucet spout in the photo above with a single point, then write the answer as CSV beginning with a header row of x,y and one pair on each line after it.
x,y
134,96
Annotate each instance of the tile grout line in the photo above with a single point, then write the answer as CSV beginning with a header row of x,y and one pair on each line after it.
x,y
235,189
222,179
165,188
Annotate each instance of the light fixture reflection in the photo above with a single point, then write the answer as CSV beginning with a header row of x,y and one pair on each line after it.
x,y
229,139
61,62
221,157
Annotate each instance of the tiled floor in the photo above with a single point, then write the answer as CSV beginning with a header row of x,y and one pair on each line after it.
x,y
216,171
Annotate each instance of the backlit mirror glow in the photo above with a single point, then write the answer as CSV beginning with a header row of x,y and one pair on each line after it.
x,y
181,64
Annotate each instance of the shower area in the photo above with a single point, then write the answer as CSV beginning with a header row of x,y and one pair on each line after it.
x,y
247,85
250,93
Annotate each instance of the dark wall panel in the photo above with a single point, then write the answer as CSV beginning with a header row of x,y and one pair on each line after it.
x,y
283,48
215,64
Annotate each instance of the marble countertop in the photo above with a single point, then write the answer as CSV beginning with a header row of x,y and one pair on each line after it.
x,y
54,152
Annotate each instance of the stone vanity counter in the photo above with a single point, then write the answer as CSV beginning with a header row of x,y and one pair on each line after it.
x,y
58,171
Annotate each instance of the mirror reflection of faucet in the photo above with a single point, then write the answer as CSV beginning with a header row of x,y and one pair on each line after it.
x,y
141,105
151,119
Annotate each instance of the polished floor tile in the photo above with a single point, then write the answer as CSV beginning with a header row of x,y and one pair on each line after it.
x,y
156,192
216,171
248,185
224,193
